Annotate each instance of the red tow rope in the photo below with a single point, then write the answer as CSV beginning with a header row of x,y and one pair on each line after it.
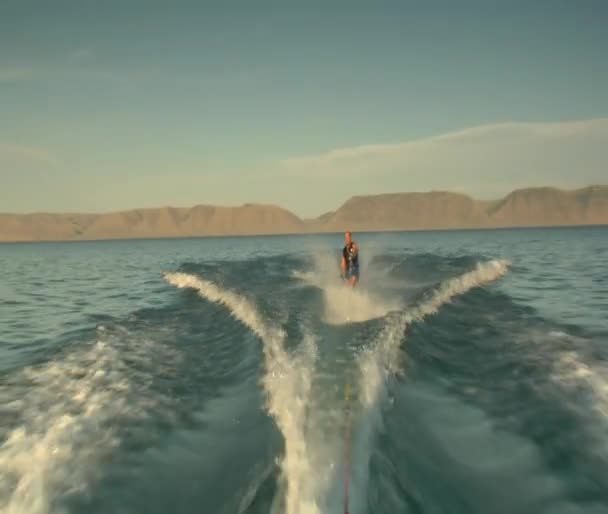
x,y
347,449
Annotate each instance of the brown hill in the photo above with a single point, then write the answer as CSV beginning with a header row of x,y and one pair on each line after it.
x,y
397,211
551,206
201,220
405,211
444,210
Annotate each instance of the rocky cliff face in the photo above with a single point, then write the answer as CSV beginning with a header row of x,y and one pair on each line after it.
x,y
444,210
201,220
397,211
550,206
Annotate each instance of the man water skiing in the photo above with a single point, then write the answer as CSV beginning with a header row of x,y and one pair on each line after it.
x,y
349,264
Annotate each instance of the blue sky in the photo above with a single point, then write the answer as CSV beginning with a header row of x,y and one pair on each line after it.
x,y
114,105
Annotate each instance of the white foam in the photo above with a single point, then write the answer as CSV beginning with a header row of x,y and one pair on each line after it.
x,y
346,305
390,339
342,303
67,415
483,273
558,334
287,382
61,434
580,379
570,371
381,360
313,457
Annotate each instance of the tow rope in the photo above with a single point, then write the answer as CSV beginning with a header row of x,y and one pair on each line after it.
x,y
347,449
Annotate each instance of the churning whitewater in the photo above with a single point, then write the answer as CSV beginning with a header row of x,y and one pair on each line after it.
x,y
311,457
286,380
466,373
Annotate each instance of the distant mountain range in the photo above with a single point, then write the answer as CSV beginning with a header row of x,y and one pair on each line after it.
x,y
545,206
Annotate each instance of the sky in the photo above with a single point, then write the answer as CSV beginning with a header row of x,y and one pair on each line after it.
x,y
117,105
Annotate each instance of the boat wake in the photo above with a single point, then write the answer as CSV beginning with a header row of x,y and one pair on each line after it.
x,y
312,458
343,304
287,382
381,360
66,417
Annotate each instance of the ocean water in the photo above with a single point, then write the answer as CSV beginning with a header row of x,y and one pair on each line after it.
x,y
467,374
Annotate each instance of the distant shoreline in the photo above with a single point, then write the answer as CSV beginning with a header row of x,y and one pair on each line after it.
x,y
541,207
309,234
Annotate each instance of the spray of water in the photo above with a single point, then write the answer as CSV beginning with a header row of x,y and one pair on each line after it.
x,y
381,359
313,456
64,421
341,303
287,382
574,376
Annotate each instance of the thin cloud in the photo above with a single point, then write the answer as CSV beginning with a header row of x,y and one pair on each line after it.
x,y
80,54
12,153
495,136
484,160
81,63
74,64
16,73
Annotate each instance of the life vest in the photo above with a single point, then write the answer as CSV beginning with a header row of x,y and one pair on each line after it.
x,y
352,259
